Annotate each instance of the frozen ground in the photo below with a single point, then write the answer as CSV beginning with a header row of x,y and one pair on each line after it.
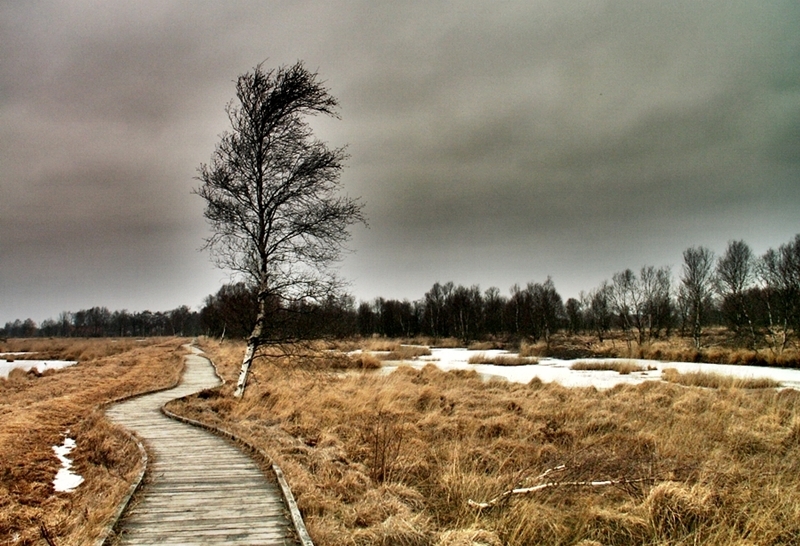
x,y
554,369
40,365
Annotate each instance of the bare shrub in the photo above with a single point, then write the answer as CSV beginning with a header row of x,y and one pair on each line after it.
x,y
383,434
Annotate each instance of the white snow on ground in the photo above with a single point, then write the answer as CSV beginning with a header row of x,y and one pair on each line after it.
x,y
40,365
554,369
66,480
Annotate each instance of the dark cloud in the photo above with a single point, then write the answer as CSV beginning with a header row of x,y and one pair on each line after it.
x,y
493,143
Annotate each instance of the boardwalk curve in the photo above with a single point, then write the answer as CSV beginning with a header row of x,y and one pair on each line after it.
x,y
202,489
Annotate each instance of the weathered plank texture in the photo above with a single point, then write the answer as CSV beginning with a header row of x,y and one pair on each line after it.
x,y
201,490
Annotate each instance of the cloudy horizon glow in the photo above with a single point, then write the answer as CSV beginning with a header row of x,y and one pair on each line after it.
x,y
493,142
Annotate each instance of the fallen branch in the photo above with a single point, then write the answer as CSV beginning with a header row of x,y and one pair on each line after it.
x,y
547,485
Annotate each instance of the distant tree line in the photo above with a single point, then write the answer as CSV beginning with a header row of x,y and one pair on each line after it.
x,y
756,297
100,322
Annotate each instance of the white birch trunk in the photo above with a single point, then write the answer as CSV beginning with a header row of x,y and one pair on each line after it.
x,y
246,362
252,344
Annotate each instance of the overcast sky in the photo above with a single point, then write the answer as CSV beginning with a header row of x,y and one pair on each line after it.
x,y
493,142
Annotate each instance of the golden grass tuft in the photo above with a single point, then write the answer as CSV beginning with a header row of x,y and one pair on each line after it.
x,y
712,380
405,352
502,360
469,537
366,361
623,367
676,510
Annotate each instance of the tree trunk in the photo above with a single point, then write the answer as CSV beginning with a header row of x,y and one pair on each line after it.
x,y
252,344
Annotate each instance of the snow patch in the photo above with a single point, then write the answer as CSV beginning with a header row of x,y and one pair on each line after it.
x,y
40,365
66,480
558,370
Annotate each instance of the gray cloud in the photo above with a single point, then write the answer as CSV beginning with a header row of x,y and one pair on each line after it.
x,y
493,142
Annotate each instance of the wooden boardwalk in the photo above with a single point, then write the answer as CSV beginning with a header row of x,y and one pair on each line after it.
x,y
201,489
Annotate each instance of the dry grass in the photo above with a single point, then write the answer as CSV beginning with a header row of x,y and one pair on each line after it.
x,y
405,352
394,459
718,347
623,367
80,349
38,409
486,345
712,380
502,360
366,361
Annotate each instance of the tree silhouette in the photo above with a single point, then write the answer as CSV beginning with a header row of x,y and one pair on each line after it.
x,y
272,197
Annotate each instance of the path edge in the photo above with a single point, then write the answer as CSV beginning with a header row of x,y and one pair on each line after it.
x,y
288,496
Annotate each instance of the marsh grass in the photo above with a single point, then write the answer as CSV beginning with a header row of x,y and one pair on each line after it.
x,y
717,347
622,367
405,352
79,349
38,409
394,459
502,360
712,380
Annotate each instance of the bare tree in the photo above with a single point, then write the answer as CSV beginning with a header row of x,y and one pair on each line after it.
x,y
697,284
626,302
656,309
272,195
600,312
548,309
779,274
735,276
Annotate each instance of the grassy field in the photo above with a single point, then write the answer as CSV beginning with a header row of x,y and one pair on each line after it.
x,y
423,457
37,410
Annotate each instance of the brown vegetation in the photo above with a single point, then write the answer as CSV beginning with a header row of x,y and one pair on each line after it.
x,y
78,349
712,380
405,352
622,367
37,411
502,360
718,347
396,459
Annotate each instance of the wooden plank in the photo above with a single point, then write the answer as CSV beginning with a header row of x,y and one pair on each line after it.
x,y
202,489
